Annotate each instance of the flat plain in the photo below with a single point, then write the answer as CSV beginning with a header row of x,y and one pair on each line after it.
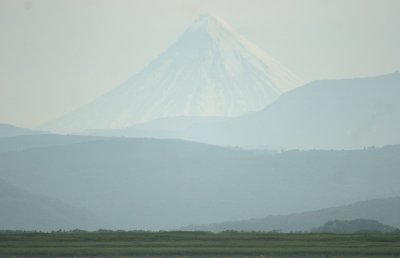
x,y
196,244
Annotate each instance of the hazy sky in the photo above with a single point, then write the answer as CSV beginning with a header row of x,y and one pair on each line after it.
x,y
57,55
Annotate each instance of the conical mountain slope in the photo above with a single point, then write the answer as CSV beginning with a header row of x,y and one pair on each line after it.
x,y
209,71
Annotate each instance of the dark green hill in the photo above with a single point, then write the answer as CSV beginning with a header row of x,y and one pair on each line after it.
x,y
353,226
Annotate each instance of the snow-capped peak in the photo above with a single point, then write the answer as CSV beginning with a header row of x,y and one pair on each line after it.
x,y
211,70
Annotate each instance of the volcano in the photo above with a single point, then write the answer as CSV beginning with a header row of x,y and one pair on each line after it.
x,y
209,71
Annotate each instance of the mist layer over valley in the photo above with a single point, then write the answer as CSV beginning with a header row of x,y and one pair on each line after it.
x,y
166,184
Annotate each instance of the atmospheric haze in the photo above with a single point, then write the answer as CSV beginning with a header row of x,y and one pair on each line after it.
x,y
189,115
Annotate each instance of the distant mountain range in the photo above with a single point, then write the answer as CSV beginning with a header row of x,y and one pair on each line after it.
x,y
334,114
383,210
165,184
7,130
21,210
24,142
210,70
163,128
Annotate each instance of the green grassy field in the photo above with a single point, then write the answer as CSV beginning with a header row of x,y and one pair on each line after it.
x,y
197,244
